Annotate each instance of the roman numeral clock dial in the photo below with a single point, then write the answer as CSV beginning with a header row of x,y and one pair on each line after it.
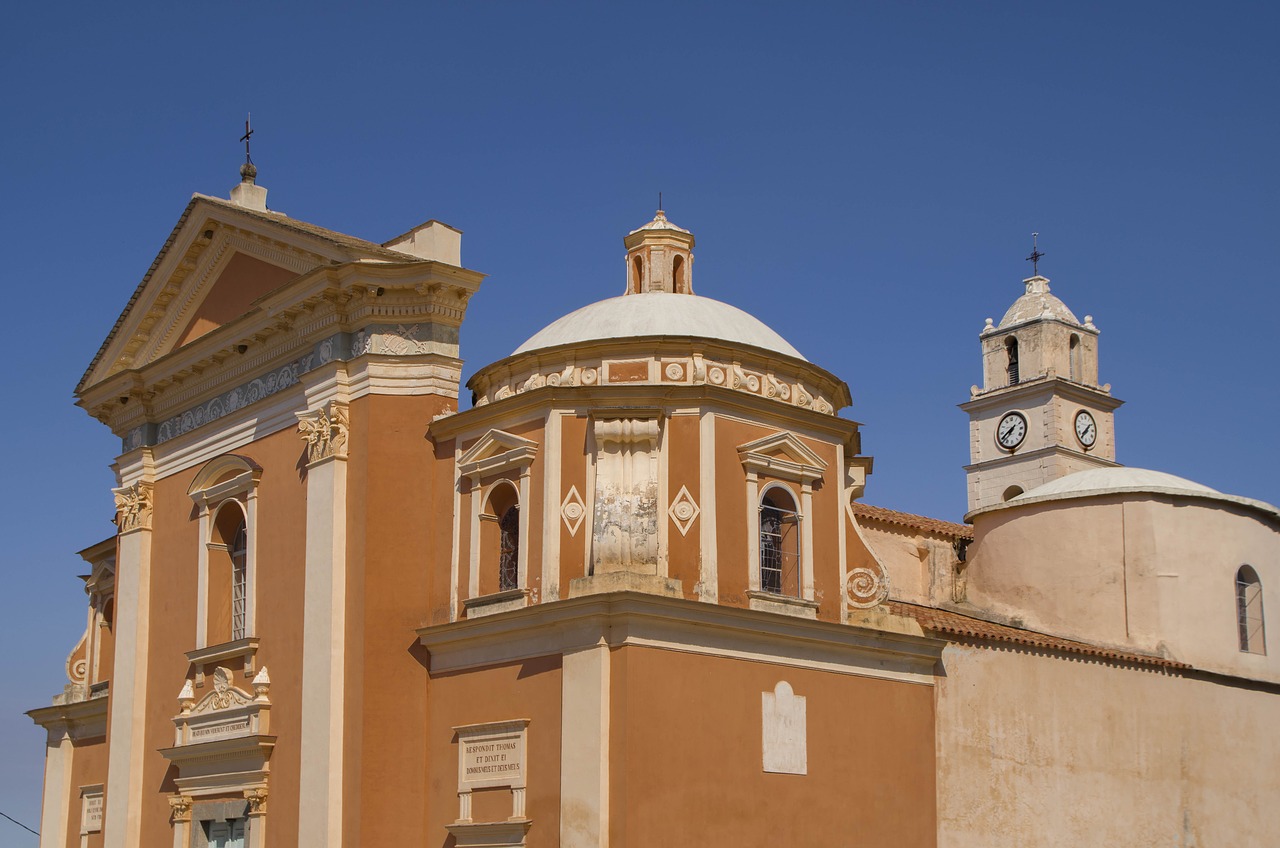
x,y
1086,429
1011,430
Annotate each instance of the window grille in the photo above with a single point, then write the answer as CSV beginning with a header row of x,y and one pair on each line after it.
x,y
239,582
226,834
1249,611
779,552
509,550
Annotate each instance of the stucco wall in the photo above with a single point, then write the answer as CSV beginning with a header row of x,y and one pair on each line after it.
x,y
1150,572
1036,750
686,756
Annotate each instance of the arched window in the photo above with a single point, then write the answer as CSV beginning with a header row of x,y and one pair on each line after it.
x,y
239,581
1249,611
677,274
225,495
509,550
500,540
1074,351
228,574
1011,493
779,543
638,264
1011,348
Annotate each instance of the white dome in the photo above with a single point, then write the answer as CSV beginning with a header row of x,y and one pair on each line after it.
x,y
659,314
1038,302
1106,480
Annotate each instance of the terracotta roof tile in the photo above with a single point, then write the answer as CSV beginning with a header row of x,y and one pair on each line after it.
x,y
958,624
916,522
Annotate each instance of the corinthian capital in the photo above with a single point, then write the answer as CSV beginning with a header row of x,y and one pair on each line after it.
x,y
180,807
133,506
325,431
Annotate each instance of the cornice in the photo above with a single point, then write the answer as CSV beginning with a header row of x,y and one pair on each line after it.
x,y
672,399
641,620
695,360
82,718
1100,396
414,309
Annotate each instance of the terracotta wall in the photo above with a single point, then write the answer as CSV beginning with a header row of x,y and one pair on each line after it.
x,y
683,457
280,572
244,280
398,496
529,689
88,768
687,767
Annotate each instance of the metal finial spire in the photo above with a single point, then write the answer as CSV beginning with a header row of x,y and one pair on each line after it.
x,y
245,138
659,201
248,172
1035,256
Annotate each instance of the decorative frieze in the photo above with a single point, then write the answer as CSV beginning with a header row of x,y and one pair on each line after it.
x,y
325,431
694,370
133,506
401,340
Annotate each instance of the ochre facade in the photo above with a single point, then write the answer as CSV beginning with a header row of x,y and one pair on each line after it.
x,y
632,595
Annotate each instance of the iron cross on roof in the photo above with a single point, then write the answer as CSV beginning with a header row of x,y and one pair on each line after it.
x,y
1035,256
245,138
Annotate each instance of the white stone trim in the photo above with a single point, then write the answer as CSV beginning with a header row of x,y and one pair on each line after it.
x,y
552,506
59,752
320,812
455,554
664,492
122,820
584,745
708,576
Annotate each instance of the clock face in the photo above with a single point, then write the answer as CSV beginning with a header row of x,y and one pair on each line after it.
x,y
1086,429
1011,430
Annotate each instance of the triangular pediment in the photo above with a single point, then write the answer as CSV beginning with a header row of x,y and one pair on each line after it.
x,y
782,454
495,451
219,259
783,445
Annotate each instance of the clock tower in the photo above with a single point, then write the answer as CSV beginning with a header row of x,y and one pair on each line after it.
x,y
1040,413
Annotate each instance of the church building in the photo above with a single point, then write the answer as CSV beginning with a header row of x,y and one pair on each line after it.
x,y
634,593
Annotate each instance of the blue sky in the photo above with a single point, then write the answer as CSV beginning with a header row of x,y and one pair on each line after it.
x,y
864,177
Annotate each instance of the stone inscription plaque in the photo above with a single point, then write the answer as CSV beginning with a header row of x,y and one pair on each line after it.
x,y
491,755
785,734
492,759
91,813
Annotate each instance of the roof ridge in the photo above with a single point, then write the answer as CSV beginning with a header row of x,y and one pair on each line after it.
x,y
961,624
909,519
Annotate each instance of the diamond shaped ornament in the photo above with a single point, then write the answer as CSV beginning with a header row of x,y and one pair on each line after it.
x,y
572,510
683,510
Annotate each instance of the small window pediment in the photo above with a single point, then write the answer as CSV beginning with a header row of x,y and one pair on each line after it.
x,y
784,456
497,451
224,476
